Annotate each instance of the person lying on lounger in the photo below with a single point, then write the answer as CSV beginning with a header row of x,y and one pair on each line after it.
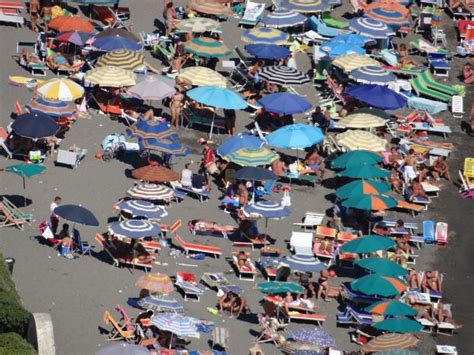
x,y
431,282
417,191
243,261
315,162
426,142
27,57
442,314
149,114
413,280
202,225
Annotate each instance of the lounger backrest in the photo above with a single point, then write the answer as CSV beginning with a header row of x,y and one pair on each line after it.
x,y
175,226
428,231
108,319
100,239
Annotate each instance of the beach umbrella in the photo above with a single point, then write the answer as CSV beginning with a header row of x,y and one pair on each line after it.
x,y
254,174
382,266
148,129
364,172
96,2
180,325
370,27
153,87
377,96
306,6
52,108
267,209
391,308
71,23
376,285
109,76
155,173
285,103
134,229
264,35
350,38
241,140
283,18
397,352
252,156
25,171
75,37
283,75
141,208
267,51
399,325
312,335
76,214
150,192
110,43
393,14
367,244
335,49
295,136
122,58
303,263
373,111
391,341
353,61
362,120
210,7
202,76
35,125
122,348
161,303
372,74
165,145
355,158
275,287
156,282
206,47
356,139
370,202
362,187
122,32
60,89
198,25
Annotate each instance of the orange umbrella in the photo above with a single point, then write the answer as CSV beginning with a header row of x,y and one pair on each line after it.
x,y
155,283
152,173
71,23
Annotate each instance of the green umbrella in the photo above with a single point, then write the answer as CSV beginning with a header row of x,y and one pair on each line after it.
x,y
382,266
377,285
398,325
391,308
362,187
367,244
25,171
355,158
364,171
274,287
370,202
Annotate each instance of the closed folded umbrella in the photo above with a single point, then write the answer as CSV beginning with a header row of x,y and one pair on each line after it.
x,y
141,208
370,27
306,6
285,103
376,285
153,87
110,43
253,173
161,303
264,35
372,74
252,156
370,202
295,136
356,140
275,287
382,266
391,308
71,23
122,348
198,25
156,282
207,47
180,325
134,229
267,51
35,125
391,341
355,158
122,32
303,263
362,187
76,214
364,171
377,96
151,192
283,75
202,76
282,18
155,173
399,325
241,140
60,89
52,108
350,62
122,58
367,244
362,120
109,76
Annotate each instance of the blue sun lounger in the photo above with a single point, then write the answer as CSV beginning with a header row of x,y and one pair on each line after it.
x,y
429,232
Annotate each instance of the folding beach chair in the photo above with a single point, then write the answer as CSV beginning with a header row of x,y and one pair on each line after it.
x,y
186,281
268,330
311,220
80,246
10,215
220,337
118,332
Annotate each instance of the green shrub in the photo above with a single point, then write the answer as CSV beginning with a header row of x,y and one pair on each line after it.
x,y
13,344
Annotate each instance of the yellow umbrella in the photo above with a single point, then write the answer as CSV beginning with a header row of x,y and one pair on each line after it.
x,y
356,140
202,76
110,76
353,61
60,89
122,58
362,120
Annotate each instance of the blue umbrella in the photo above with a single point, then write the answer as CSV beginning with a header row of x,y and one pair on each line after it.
x,y
161,303
285,103
337,49
180,325
306,6
372,74
151,129
312,335
303,263
217,97
370,27
76,214
110,43
52,108
295,136
351,38
164,146
267,51
267,209
254,173
377,96
283,18
134,228
142,208
35,125
241,140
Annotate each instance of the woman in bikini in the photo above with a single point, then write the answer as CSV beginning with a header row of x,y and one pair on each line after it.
x,y
176,107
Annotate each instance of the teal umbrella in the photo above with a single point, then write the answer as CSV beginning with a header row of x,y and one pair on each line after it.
x,y
362,187
364,171
25,171
356,158
398,325
274,287
382,266
391,308
367,244
377,285
370,202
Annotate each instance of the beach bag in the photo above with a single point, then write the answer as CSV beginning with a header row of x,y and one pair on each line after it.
x,y
286,199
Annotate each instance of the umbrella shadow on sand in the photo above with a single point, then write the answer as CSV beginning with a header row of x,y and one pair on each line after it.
x,y
18,201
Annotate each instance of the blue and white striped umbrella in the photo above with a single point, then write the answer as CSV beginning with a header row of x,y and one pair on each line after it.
x,y
267,209
161,303
372,74
134,228
369,27
303,263
306,6
141,208
283,18
180,325
151,192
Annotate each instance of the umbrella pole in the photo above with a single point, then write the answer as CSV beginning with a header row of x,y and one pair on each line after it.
x,y
24,190
212,124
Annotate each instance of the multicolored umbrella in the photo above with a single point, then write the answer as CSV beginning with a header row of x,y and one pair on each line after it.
x,y
265,35
210,7
153,87
152,129
356,140
198,25
122,58
376,285
155,173
122,32
391,341
282,18
391,308
370,27
372,74
393,14
161,303
35,125
306,6
382,266
362,120
156,282
52,108
207,47
168,146
398,325
109,76
241,140
267,51
377,96
202,76
71,23
60,89
275,287
111,43
285,103
303,263
74,37
367,244
370,202
283,75
141,208
252,156
134,229
350,62
295,136
150,192
312,335
180,325
362,187
355,158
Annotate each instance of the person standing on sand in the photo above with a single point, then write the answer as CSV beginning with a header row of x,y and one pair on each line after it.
x,y
46,15
176,107
53,218
34,14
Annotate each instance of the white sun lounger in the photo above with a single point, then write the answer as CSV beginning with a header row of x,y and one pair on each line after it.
x,y
457,106
311,220
253,13
302,243
10,18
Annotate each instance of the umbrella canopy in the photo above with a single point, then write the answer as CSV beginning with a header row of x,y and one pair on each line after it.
x,y
264,35
391,308
350,62
60,89
399,325
198,25
382,266
295,136
255,174
362,187
134,229
350,38
122,348
241,140
367,244
35,125
364,172
303,263
312,335
283,18
372,74
306,6
283,75
52,108
25,170
252,156
150,192
267,51
152,129
140,208
356,140
370,27
156,282
207,47
373,111
161,303
217,97
370,202
391,341
285,103
362,120
153,87
168,146
71,23
355,158
210,7
392,14
335,49
111,43
377,96
155,173
122,32
109,76
180,325
74,37
376,285
267,209
122,58
275,287
202,76
76,214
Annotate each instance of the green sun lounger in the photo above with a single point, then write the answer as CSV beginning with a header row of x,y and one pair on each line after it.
x,y
432,84
421,88
328,20
425,47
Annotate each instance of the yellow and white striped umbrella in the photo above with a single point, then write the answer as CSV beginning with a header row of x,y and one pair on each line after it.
x,y
109,76
357,140
122,58
353,61
202,76
362,120
60,89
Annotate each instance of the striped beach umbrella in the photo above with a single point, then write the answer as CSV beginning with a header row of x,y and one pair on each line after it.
x,y
376,285
60,89
210,7
356,139
391,308
155,173
134,228
155,282
382,266
152,129
355,158
362,120
370,202
141,208
111,43
303,263
267,209
202,76
151,192
153,87
398,325
392,14
122,32
161,303
198,25
370,27
168,146
109,76
207,47
283,75
283,18
122,58
52,108
372,74
362,187
252,156
367,244
265,35
306,6
391,341
350,62
241,140
180,325
71,23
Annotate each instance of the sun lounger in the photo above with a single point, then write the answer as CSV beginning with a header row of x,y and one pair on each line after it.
x,y
198,230
293,315
11,16
311,220
186,281
268,265
439,64
330,21
193,248
204,117
425,47
217,281
10,215
424,104
433,84
200,194
244,272
441,233
428,326
118,332
421,88
253,13
357,298
300,178
301,243
327,232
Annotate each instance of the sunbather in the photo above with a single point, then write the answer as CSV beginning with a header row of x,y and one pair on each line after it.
x,y
243,261
243,195
468,74
324,247
431,281
323,285
417,191
249,228
424,311
170,17
315,162
441,169
404,59
34,14
279,168
413,280
238,306
27,57
395,182
176,107
46,15
443,314
202,225
426,142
